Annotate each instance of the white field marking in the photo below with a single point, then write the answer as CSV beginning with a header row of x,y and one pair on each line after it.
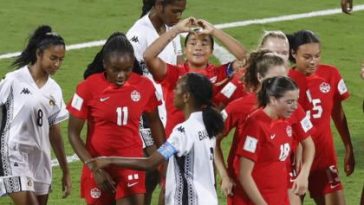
x,y
220,52
223,26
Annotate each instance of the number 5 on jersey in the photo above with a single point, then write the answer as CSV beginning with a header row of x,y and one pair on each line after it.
x,y
316,103
122,116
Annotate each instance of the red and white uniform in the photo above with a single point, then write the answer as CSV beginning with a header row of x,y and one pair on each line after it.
x,y
267,142
217,75
319,92
233,90
113,115
236,113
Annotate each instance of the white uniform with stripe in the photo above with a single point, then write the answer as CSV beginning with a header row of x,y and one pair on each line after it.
x,y
27,114
190,176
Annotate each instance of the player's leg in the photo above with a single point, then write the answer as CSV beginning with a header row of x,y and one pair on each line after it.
x,y
137,199
43,199
24,198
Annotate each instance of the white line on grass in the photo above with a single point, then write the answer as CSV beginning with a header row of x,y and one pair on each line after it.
x,y
223,26
220,52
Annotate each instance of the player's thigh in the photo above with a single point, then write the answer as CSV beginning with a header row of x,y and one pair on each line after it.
x,y
24,198
137,199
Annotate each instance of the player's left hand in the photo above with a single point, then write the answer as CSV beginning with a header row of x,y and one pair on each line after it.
x,y
347,6
207,28
227,185
349,161
66,185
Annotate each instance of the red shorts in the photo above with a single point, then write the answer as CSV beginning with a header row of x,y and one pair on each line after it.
x,y
128,182
323,181
239,197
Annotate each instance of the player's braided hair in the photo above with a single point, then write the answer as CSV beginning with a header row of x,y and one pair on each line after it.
x,y
200,88
300,38
275,87
42,38
148,5
260,62
117,42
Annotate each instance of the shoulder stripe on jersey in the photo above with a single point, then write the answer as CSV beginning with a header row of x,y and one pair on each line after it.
x,y
7,115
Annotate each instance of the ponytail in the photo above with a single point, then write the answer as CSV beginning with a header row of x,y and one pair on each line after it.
x,y
147,6
200,88
40,40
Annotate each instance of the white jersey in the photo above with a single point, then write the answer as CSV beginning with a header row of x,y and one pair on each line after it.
x,y
28,112
141,35
190,174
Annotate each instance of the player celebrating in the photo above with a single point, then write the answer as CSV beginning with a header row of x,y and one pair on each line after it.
x,y
112,100
321,91
190,148
198,49
33,108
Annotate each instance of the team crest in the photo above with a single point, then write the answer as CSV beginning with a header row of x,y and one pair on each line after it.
x,y
95,193
289,131
135,96
52,101
325,87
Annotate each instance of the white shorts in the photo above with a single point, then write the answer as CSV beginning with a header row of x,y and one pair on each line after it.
x,y
14,184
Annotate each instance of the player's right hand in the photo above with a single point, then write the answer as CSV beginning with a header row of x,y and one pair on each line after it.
x,y
104,181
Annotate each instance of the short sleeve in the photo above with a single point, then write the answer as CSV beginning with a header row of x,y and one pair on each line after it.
x,y
341,91
78,106
301,124
155,99
180,141
5,89
62,114
251,140
170,79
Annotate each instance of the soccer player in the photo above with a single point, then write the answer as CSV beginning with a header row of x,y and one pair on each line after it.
x,y
261,65
33,108
112,100
198,49
190,148
265,145
276,42
322,90
157,17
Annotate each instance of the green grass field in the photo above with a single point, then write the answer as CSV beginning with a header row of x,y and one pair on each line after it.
x,y
81,21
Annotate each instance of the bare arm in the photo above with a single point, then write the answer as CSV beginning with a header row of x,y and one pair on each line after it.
x,y
229,42
56,141
157,66
226,182
102,178
300,184
142,163
156,127
248,183
341,124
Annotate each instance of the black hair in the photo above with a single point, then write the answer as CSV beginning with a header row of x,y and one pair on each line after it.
x,y
117,42
148,5
275,87
300,38
42,38
259,62
200,88
209,35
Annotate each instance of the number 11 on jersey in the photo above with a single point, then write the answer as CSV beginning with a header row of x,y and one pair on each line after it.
x,y
122,116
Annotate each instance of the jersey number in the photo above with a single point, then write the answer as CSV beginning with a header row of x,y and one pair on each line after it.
x,y
316,103
122,116
40,118
285,149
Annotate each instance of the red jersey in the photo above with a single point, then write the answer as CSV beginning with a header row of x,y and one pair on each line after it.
x,y
113,113
217,75
231,91
319,91
267,142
